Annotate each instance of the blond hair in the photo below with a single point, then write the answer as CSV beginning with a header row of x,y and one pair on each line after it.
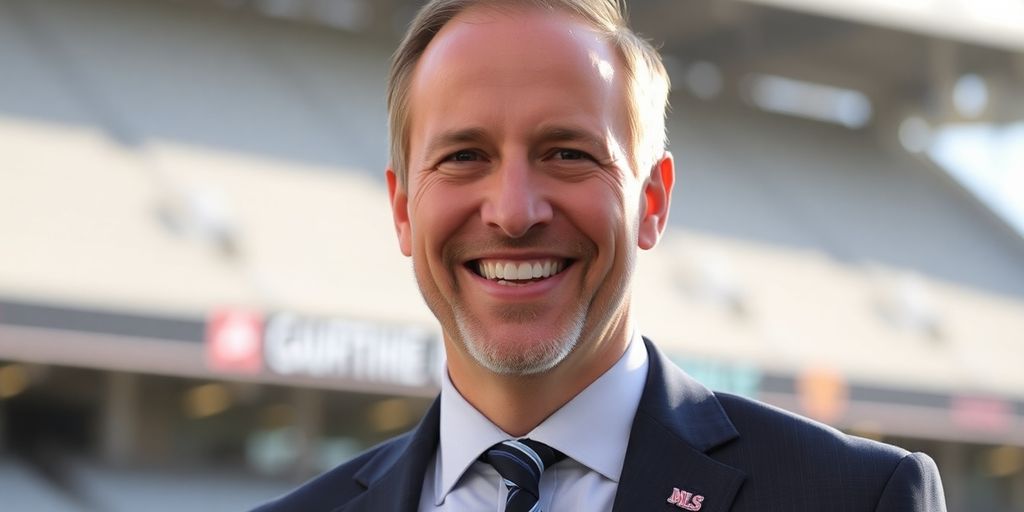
x,y
646,79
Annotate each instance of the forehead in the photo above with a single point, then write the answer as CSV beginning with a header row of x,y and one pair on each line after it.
x,y
489,61
529,37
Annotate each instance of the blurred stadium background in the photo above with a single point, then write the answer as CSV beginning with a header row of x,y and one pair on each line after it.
x,y
202,302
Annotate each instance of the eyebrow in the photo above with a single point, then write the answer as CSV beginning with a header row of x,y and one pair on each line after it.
x,y
569,134
455,137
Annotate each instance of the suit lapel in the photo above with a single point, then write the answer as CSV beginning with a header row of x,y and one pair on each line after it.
x,y
677,423
394,478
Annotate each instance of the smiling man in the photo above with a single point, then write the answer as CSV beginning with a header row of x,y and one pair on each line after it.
x,y
528,167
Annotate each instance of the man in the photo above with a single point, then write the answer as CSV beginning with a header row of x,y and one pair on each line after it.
x,y
527,168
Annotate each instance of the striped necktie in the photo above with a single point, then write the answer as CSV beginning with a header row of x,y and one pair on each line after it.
x,y
520,462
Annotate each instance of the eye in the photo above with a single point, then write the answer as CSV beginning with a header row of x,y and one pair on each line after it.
x,y
463,163
570,154
568,163
464,155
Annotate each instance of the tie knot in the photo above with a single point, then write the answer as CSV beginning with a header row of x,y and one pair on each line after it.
x,y
521,462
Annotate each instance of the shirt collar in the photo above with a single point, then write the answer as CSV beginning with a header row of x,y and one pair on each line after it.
x,y
607,407
465,434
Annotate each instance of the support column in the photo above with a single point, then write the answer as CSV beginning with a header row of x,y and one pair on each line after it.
x,y
120,418
309,427
1011,94
942,77
952,462
3,426
1018,66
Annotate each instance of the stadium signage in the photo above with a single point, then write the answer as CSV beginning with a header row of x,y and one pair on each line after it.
x,y
339,348
293,345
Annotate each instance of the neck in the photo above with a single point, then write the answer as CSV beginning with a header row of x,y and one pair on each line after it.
x,y
518,404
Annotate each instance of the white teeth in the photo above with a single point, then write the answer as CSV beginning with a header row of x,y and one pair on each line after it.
x,y
506,271
525,271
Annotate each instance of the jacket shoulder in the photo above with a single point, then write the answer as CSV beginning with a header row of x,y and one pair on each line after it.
x,y
332,489
789,458
791,433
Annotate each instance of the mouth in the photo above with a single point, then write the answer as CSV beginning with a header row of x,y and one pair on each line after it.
x,y
518,272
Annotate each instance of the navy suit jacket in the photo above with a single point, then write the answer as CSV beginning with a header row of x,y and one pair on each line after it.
x,y
738,454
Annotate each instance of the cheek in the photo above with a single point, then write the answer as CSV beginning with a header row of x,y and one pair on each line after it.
x,y
599,219
608,218
436,212
607,211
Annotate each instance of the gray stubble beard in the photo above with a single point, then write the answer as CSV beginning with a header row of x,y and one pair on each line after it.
x,y
543,356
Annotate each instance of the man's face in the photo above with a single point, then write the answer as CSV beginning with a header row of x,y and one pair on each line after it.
x,y
521,212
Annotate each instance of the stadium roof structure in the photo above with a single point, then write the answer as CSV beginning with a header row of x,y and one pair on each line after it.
x,y
994,23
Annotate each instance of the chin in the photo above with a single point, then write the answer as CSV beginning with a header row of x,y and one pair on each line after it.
x,y
530,356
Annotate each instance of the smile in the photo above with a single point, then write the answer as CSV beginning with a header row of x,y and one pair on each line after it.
x,y
512,273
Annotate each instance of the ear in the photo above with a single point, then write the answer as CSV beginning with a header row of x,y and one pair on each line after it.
x,y
657,198
399,197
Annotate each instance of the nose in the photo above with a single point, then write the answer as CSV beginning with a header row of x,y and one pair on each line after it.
x,y
516,201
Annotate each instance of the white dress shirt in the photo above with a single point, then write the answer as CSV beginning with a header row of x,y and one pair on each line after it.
x,y
592,430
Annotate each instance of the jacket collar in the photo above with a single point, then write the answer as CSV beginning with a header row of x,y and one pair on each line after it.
x,y
678,423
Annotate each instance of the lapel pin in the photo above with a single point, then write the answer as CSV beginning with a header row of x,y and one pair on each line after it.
x,y
686,500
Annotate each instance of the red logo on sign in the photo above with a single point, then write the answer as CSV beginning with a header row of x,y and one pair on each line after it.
x,y
234,341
